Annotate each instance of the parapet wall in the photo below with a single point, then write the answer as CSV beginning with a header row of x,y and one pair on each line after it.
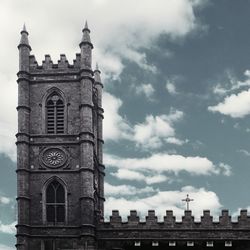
x,y
47,63
169,220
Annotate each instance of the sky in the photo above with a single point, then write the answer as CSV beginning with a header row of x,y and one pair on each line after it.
x,y
176,77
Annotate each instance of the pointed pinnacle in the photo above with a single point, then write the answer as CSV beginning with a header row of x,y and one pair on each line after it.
x,y
24,29
97,73
24,38
97,70
86,25
86,36
97,67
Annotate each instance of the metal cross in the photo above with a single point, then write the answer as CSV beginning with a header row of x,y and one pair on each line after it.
x,y
187,200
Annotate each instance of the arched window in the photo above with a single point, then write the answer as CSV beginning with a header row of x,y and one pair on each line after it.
x,y
55,202
55,114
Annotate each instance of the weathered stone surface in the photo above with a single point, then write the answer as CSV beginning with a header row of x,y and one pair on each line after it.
x,y
80,171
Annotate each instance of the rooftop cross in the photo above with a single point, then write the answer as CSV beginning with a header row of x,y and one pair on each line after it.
x,y
187,200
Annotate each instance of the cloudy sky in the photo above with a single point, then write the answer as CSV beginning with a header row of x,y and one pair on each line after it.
x,y
176,98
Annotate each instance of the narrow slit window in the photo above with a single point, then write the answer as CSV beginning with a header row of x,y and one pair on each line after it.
x,y
55,203
55,114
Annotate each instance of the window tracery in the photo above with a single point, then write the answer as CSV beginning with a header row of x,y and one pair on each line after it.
x,y
55,202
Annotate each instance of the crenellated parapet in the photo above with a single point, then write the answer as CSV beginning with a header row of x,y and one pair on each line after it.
x,y
49,66
153,231
169,221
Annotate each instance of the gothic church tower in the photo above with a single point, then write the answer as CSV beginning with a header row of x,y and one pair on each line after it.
x,y
59,147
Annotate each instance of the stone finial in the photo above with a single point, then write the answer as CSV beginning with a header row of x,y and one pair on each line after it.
x,y
24,29
97,74
86,26
24,41
85,36
97,67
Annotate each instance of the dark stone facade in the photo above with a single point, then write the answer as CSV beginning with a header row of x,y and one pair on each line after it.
x,y
74,159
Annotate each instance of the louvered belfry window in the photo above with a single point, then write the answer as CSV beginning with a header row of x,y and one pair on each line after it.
x,y
55,202
55,114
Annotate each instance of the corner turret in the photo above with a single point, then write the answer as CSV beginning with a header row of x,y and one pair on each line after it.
x,y
23,135
99,135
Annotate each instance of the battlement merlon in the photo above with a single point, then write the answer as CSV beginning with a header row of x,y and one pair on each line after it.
x,y
187,221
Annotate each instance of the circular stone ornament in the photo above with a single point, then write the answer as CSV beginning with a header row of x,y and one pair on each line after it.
x,y
54,157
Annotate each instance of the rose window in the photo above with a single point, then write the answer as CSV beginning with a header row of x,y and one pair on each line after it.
x,y
54,157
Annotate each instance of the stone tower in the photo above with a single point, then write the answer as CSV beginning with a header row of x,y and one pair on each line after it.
x,y
59,146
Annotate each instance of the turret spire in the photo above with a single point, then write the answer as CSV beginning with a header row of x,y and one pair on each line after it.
x,y
24,28
97,73
96,67
86,25
24,38
85,36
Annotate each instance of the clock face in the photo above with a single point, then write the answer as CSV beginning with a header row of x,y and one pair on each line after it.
x,y
54,157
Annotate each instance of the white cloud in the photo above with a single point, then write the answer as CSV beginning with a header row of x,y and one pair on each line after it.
x,y
245,152
8,228
174,115
225,169
4,247
145,89
235,105
228,84
115,126
171,88
219,90
156,179
231,83
160,163
152,133
4,200
126,190
126,174
176,141
8,123
166,200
